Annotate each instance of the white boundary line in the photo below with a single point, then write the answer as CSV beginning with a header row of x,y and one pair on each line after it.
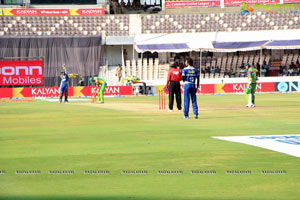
x,y
288,144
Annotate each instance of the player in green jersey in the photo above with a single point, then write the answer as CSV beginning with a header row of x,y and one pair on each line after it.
x,y
101,85
251,86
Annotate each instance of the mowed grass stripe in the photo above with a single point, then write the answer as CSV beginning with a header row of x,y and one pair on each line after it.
x,y
76,136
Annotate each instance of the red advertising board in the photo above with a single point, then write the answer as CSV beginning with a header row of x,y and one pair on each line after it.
x,y
204,3
29,92
203,89
41,12
240,2
118,90
35,12
291,1
83,91
206,89
229,88
89,11
26,72
43,92
240,87
109,90
6,93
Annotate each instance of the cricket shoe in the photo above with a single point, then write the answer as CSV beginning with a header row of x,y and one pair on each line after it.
x,y
196,116
185,117
253,105
170,110
248,105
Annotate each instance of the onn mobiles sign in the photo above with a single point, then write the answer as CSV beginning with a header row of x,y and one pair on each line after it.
x,y
28,72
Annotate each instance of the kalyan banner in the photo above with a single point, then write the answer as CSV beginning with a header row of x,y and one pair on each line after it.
x,y
240,87
228,88
205,3
29,72
31,92
35,12
203,89
88,11
109,90
38,92
57,12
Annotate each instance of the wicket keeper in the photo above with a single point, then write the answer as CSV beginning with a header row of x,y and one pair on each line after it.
x,y
101,84
64,86
189,76
251,86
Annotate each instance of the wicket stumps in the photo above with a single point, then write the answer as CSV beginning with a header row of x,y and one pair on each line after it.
x,y
94,96
161,100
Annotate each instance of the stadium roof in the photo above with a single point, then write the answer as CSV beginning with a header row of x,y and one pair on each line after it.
x,y
165,42
251,46
218,41
239,46
283,44
180,47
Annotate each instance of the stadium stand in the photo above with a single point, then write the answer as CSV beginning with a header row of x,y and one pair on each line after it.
x,y
191,23
217,65
64,25
118,25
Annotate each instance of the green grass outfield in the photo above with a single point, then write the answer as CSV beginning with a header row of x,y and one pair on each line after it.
x,y
132,134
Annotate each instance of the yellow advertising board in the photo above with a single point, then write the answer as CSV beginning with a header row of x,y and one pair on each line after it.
x,y
1,12
77,91
74,12
17,93
6,11
159,88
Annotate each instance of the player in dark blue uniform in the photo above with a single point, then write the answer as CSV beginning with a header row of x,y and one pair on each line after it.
x,y
64,86
189,76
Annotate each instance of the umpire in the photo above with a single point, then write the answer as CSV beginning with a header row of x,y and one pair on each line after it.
x,y
173,85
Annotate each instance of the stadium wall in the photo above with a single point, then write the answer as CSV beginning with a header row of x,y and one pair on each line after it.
x,y
231,80
238,85
37,92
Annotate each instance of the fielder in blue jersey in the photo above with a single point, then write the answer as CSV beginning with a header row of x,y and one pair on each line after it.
x,y
64,86
189,76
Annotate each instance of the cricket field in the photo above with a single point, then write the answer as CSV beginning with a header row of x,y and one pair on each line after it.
x,y
129,149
